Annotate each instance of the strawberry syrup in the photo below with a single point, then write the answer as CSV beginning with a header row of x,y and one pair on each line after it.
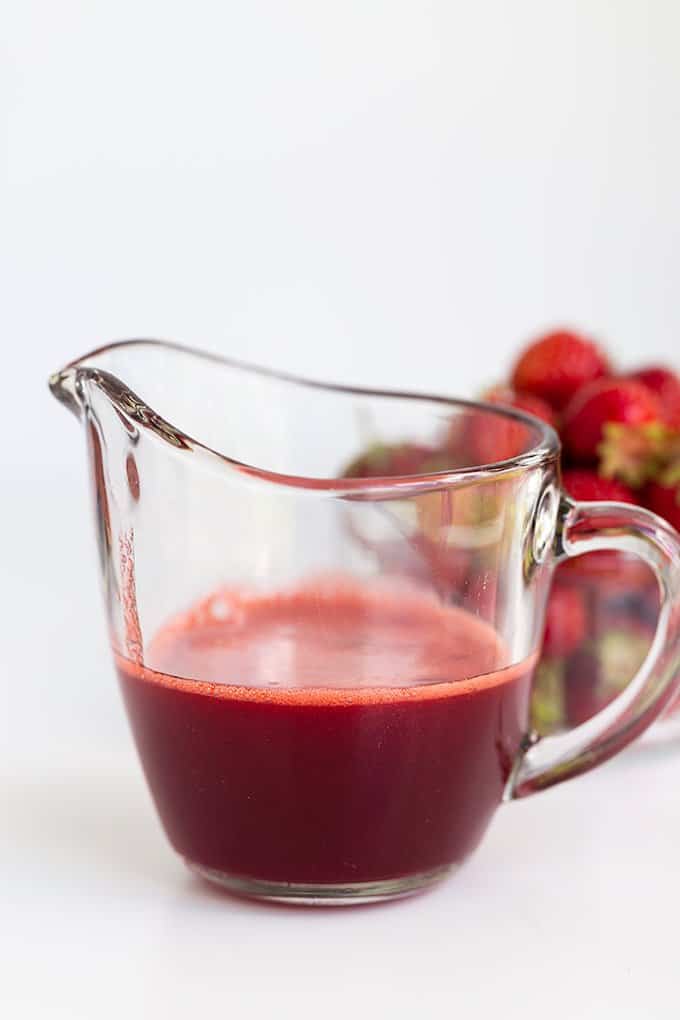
x,y
333,734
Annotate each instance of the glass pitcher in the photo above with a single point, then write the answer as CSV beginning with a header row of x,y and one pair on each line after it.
x,y
325,610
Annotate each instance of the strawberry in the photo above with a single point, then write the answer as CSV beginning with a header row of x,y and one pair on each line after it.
x,y
602,566
497,438
666,385
547,697
631,604
565,622
636,453
621,651
383,461
600,402
449,565
663,496
407,459
583,696
481,592
507,397
558,364
588,487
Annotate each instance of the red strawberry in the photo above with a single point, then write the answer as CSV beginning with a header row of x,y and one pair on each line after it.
x,y
664,499
497,438
565,622
506,397
666,385
383,461
601,402
588,487
481,591
556,365
583,696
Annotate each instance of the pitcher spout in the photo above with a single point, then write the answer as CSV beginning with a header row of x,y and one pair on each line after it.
x,y
65,387
256,422
103,381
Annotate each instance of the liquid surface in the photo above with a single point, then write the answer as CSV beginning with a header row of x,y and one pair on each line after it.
x,y
331,734
327,636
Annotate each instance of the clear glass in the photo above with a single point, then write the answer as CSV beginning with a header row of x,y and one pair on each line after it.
x,y
325,611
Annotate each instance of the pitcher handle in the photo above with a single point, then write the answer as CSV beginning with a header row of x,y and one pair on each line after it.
x,y
592,527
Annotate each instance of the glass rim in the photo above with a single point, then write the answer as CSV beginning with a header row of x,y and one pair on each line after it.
x,y
545,448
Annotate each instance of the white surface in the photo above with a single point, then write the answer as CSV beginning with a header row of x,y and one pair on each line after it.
x,y
569,908
381,192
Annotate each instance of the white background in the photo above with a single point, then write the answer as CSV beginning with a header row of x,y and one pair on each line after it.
x,y
389,193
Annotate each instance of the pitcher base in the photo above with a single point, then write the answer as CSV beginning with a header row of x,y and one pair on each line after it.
x,y
323,895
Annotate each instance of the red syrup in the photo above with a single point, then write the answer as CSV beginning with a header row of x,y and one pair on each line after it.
x,y
328,735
